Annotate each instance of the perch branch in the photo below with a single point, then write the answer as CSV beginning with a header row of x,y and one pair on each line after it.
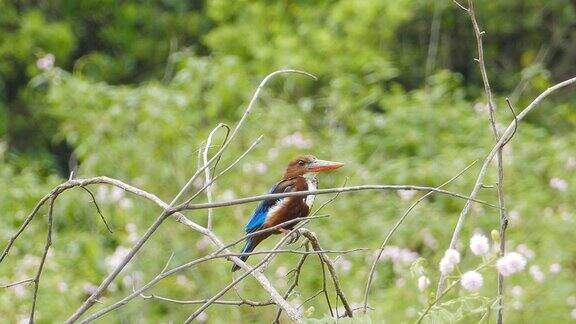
x,y
241,201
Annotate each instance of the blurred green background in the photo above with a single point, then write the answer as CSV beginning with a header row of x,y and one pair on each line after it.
x,y
133,88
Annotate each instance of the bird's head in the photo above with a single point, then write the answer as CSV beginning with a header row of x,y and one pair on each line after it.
x,y
309,165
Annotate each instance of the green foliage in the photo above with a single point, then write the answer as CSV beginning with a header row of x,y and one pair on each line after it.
x,y
133,109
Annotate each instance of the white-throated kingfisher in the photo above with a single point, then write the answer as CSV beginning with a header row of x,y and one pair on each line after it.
x,y
300,175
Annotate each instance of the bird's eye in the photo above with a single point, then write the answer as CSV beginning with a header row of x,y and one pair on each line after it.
x,y
301,162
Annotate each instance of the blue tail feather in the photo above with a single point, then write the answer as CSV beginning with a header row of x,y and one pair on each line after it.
x,y
249,247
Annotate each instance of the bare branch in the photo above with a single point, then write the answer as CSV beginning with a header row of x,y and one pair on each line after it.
x,y
43,259
202,301
207,170
17,283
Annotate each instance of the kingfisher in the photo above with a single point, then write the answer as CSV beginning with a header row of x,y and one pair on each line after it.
x,y
300,175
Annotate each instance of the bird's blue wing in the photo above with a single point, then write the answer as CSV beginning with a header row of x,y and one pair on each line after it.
x,y
259,216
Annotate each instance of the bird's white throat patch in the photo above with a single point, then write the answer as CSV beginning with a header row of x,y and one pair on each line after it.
x,y
312,183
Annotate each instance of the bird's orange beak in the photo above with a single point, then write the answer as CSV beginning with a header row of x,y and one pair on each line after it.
x,y
323,165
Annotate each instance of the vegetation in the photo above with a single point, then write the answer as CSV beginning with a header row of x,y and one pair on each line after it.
x,y
133,89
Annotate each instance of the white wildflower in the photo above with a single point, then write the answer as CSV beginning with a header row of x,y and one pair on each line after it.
x,y
102,193
89,288
452,255
517,291
125,203
479,244
202,317
182,280
131,227
203,243
20,291
411,312
116,258
517,305
525,250
558,184
281,271
511,263
423,283
573,313
571,163
261,168
272,153
536,273
472,281
429,239
555,268
406,194
62,286
117,194
227,195
514,215
46,62
446,266
296,140
343,265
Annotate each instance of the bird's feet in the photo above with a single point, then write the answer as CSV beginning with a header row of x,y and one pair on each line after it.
x,y
294,235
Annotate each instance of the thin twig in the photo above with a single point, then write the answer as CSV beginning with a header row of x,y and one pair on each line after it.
x,y
324,289
207,170
43,259
98,209
17,283
310,298
202,301
515,122
238,159
297,270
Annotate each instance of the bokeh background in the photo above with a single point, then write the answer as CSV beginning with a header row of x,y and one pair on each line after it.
x,y
133,88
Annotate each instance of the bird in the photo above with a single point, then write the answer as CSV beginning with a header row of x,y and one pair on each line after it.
x,y
300,175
